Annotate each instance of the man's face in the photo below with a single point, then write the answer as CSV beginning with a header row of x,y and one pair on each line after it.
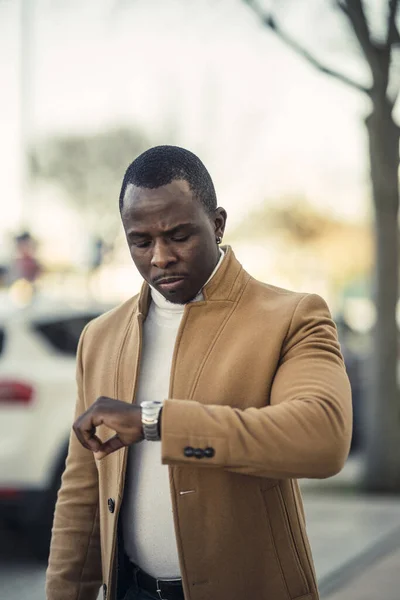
x,y
171,238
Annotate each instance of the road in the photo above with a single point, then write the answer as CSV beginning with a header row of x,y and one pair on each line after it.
x,y
21,576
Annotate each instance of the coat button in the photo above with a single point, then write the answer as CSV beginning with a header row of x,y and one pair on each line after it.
x,y
209,452
199,453
188,451
111,505
104,591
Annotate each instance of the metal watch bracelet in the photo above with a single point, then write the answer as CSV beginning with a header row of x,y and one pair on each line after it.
x,y
150,416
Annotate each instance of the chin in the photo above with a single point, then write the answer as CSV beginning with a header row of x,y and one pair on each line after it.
x,y
178,298
174,297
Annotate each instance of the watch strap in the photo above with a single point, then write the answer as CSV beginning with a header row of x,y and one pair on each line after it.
x,y
150,417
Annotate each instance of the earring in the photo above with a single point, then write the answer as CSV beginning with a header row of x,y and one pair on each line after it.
x,y
218,239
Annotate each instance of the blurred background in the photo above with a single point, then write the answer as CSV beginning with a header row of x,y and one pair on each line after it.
x,y
292,106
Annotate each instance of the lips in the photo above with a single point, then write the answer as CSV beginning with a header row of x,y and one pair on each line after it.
x,y
170,283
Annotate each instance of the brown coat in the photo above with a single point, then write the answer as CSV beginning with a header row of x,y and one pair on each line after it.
x,y
257,375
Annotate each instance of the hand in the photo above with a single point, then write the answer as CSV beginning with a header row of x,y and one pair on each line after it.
x,y
125,419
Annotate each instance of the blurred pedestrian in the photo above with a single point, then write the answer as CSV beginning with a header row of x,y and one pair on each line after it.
x,y
3,276
201,401
25,264
99,251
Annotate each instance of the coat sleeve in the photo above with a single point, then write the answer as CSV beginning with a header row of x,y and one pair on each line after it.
x,y
303,431
74,570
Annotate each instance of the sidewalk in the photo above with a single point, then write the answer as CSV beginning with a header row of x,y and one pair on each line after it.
x,y
381,581
354,537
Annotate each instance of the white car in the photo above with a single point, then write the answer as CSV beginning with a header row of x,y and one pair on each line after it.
x,y
37,398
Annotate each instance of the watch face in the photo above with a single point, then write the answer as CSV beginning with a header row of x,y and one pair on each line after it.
x,y
150,404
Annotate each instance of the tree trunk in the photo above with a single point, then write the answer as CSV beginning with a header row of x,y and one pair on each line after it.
x,y
382,439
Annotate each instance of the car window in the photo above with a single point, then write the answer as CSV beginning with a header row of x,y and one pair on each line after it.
x,y
63,334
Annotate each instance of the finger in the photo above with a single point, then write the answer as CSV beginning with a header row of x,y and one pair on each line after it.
x,y
78,433
93,443
85,428
87,437
111,445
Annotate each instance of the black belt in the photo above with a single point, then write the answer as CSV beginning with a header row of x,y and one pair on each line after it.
x,y
164,589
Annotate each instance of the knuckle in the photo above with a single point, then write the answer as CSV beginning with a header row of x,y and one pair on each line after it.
x,y
100,402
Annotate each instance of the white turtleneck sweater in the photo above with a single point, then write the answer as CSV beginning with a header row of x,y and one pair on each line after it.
x,y
147,519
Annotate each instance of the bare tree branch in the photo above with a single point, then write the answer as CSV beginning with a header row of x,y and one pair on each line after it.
x,y
378,57
393,36
392,39
269,21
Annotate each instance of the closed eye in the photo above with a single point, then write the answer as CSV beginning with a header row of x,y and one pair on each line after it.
x,y
180,238
143,244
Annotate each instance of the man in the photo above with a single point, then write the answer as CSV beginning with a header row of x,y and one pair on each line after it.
x,y
200,402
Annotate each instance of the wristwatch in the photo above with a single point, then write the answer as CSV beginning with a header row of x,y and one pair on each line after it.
x,y
150,415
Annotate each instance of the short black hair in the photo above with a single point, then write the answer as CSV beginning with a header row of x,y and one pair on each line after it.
x,y
161,165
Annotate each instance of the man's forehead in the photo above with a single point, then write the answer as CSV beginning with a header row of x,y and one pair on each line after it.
x,y
157,205
162,227
178,189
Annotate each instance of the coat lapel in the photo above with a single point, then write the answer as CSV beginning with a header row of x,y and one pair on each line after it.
x,y
199,330
128,365
202,324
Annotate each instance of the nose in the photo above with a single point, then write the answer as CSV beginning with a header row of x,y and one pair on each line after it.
x,y
162,255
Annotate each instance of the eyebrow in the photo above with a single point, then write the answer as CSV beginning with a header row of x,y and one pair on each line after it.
x,y
167,232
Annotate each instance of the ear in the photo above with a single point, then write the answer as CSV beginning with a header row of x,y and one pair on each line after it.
x,y
220,222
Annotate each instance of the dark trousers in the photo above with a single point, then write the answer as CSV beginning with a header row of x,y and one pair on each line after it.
x,y
134,593
128,588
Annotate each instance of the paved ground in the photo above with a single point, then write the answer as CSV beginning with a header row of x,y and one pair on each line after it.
x,y
355,542
381,581
347,529
20,575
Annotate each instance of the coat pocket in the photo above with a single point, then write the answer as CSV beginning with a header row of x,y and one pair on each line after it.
x,y
284,542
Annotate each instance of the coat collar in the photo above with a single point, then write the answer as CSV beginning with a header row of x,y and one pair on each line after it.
x,y
224,285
